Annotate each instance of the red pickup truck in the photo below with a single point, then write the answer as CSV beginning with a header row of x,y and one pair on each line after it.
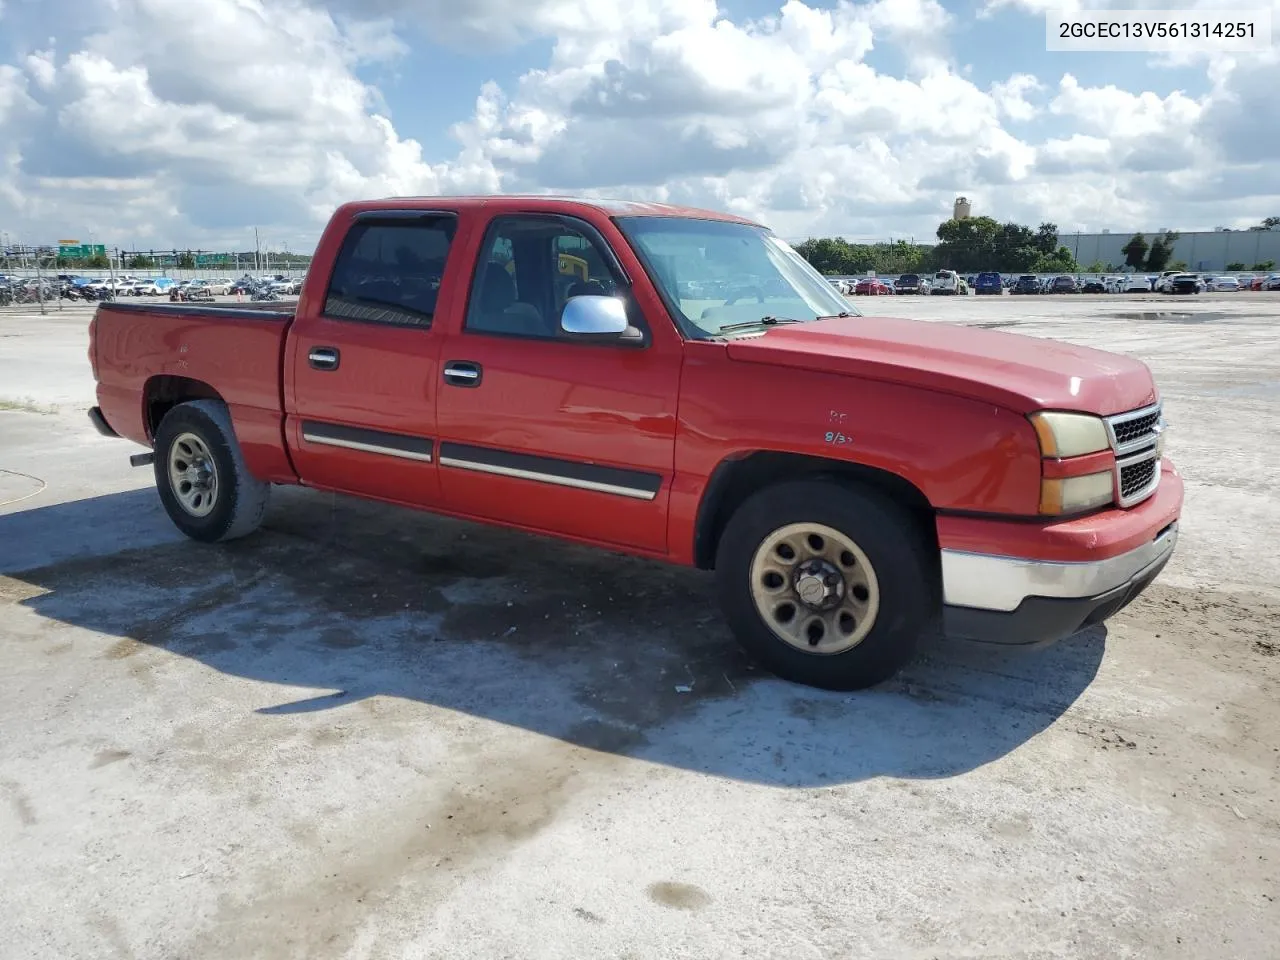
x,y
676,384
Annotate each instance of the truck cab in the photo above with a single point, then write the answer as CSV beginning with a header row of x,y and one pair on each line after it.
x,y
675,384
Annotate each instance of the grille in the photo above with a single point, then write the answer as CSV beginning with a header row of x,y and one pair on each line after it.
x,y
1135,478
1138,428
1135,438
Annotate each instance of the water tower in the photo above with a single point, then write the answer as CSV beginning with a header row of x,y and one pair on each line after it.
x,y
961,209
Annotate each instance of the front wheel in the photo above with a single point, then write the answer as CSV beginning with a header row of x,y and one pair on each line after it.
x,y
201,476
825,584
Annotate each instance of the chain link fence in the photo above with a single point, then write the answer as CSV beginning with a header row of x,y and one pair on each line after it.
x,y
41,280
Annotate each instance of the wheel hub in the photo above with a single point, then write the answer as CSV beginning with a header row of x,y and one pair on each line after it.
x,y
815,588
818,584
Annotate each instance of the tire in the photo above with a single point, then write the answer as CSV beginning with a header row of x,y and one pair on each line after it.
x,y
199,437
892,566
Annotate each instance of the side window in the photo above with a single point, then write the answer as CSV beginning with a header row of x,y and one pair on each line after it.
x,y
529,267
389,272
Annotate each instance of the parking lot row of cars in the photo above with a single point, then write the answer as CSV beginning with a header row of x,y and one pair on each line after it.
x,y
26,289
949,282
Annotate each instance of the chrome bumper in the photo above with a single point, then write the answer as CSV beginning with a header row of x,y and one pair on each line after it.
x,y
988,582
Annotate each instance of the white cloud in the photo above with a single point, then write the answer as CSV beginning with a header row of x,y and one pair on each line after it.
x,y
1010,96
129,129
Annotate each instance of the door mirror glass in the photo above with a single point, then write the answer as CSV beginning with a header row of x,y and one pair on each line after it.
x,y
594,317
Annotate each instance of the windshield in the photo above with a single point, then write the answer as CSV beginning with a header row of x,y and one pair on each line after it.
x,y
720,274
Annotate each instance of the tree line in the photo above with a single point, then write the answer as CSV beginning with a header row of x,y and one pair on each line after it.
x,y
983,243
967,245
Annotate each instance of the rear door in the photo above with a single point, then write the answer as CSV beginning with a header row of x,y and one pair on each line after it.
x,y
363,367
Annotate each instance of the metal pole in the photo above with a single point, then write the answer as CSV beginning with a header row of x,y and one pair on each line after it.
x,y
39,283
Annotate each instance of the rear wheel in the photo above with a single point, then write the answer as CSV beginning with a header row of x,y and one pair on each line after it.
x,y
825,584
201,475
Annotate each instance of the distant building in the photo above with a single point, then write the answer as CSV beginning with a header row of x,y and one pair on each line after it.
x,y
1210,250
962,209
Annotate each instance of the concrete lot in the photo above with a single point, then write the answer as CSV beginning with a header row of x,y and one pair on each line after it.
x,y
369,733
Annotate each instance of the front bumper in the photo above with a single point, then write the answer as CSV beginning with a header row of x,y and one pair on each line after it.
x,y
1028,583
1035,601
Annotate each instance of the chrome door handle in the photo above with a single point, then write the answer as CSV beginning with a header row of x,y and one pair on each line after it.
x,y
324,358
462,373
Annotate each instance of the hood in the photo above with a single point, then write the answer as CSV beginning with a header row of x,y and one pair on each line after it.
x,y
1014,371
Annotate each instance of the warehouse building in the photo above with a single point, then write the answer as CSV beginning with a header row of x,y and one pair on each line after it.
x,y
1211,250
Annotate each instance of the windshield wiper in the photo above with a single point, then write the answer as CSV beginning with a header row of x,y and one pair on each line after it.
x,y
766,321
836,316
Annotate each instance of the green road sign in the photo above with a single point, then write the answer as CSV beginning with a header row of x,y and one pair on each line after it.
x,y
82,251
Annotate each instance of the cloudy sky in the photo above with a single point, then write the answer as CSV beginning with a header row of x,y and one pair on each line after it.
x,y
187,122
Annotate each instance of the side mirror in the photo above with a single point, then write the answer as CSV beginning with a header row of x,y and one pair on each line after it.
x,y
597,318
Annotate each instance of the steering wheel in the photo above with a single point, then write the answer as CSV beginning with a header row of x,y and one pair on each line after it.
x,y
742,293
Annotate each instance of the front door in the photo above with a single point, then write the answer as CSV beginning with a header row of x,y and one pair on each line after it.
x,y
563,436
363,367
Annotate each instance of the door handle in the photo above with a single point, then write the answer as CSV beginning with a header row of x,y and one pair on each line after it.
x,y
324,358
462,373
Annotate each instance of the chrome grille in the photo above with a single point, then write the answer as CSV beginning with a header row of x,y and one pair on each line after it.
x,y
1136,477
1127,431
1135,439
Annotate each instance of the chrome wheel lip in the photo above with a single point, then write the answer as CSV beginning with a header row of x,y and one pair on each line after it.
x,y
769,596
193,475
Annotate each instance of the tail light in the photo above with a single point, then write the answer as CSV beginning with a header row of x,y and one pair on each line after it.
x,y
93,344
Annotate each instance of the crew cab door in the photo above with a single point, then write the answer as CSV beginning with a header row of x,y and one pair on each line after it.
x,y
363,369
569,437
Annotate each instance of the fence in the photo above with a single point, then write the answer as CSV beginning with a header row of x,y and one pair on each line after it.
x,y
36,282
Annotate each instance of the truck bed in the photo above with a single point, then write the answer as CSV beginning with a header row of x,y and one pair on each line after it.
x,y
151,352
279,310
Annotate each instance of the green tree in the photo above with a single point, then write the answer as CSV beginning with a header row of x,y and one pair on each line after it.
x,y
98,262
140,262
1264,265
1047,238
1270,223
1236,266
1135,251
1161,251
1096,267
1061,261
1177,265
186,261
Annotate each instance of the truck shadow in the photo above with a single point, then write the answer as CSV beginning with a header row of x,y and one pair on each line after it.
x,y
350,600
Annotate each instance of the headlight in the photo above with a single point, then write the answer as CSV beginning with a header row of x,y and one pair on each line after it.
x,y
1076,494
1069,434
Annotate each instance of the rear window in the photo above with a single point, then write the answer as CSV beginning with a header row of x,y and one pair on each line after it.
x,y
909,278
986,277
390,272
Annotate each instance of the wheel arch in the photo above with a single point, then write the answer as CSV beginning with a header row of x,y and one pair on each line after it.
x,y
738,477
163,392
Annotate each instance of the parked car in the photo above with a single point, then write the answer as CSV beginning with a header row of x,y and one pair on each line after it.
x,y
841,286
1221,284
1135,283
1180,283
988,284
948,282
872,287
909,283
218,287
834,546
1064,284
1164,282
1026,284
1272,282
